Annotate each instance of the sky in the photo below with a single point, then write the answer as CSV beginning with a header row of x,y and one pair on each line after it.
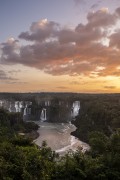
x,y
60,46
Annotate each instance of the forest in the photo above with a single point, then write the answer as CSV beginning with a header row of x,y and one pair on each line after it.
x,y
98,123
98,113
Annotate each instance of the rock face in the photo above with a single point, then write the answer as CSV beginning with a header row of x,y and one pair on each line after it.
x,y
55,111
45,110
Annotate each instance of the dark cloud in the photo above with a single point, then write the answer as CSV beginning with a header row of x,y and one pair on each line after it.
x,y
59,51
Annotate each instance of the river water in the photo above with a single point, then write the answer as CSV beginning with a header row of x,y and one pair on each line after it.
x,y
58,137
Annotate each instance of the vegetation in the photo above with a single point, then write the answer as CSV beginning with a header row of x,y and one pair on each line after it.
x,y
98,123
12,123
98,113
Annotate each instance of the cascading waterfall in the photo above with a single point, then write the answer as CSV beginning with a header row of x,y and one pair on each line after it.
x,y
75,109
43,116
25,111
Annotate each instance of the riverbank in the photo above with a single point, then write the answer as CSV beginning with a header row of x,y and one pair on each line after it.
x,y
85,146
81,135
32,135
29,130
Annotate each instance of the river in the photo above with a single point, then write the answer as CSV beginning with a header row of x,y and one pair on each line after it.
x,y
58,137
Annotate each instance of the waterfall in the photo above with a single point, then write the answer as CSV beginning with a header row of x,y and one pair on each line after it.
x,y
75,109
43,116
25,111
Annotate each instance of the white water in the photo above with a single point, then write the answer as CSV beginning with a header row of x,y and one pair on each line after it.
x,y
57,136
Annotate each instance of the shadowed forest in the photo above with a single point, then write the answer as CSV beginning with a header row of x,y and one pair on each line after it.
x,y
98,124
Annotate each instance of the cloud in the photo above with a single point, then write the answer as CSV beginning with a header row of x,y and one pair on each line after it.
x,y
16,82
75,83
94,6
118,11
109,87
14,71
65,51
40,31
62,87
77,2
115,39
101,18
4,76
